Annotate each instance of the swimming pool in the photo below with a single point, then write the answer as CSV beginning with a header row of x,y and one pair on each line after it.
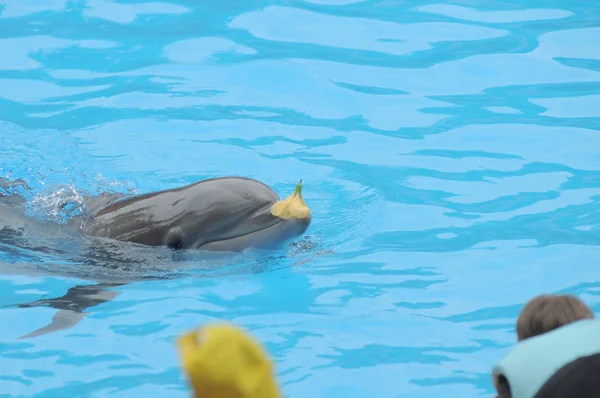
x,y
449,156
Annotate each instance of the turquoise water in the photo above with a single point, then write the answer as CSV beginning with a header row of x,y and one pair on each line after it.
x,y
450,153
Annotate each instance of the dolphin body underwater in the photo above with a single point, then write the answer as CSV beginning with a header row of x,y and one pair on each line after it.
x,y
228,214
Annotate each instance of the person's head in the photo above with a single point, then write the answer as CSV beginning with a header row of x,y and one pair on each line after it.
x,y
548,312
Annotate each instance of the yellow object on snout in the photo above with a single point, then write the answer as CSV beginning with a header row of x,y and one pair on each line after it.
x,y
222,361
292,206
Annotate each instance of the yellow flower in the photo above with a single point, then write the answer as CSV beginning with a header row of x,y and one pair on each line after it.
x,y
292,206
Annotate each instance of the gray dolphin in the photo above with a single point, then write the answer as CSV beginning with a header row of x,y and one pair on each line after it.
x,y
223,214
228,214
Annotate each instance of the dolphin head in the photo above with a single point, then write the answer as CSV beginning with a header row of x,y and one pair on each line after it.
x,y
247,214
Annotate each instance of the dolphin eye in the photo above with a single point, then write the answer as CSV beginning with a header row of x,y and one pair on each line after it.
x,y
174,239
174,244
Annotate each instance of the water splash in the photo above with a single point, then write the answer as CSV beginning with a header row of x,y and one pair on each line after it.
x,y
56,187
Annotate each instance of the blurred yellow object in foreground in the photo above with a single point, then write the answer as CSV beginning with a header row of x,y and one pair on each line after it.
x,y
222,361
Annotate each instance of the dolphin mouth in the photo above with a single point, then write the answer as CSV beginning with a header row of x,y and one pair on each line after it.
x,y
269,235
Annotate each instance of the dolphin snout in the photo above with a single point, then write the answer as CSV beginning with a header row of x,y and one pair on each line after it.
x,y
296,226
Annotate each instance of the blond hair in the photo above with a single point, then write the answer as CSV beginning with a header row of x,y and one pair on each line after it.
x,y
548,312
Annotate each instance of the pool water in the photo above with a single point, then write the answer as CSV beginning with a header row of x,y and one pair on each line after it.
x,y
450,153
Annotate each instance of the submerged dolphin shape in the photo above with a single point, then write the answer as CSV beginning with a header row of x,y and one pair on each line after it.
x,y
227,214
72,306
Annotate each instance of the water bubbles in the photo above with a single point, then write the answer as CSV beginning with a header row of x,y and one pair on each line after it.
x,y
57,204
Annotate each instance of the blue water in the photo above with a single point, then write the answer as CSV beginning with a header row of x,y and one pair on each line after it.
x,y
450,153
